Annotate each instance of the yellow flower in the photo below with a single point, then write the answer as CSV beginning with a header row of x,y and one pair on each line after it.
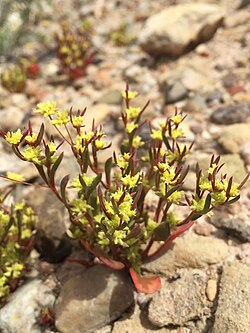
x,y
14,137
211,169
100,144
52,147
176,133
137,142
46,109
15,176
131,94
62,118
198,204
156,134
132,112
177,119
77,121
31,138
130,181
33,154
130,127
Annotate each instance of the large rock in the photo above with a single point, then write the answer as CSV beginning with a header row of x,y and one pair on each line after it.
x,y
51,241
232,137
231,114
232,315
92,298
190,251
180,301
180,28
21,314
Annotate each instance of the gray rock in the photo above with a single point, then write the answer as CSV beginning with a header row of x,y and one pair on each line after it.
x,y
21,314
231,114
189,251
51,241
234,136
91,299
180,28
235,226
232,314
180,301
175,92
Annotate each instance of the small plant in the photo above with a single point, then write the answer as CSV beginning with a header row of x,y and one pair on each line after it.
x,y
109,205
16,236
121,37
30,67
74,49
14,78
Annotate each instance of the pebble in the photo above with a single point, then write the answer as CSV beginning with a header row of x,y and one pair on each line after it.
x,y
211,290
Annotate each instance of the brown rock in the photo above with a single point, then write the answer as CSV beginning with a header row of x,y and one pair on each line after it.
x,y
92,298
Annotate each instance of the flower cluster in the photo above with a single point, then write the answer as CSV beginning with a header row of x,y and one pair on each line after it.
x,y
109,204
74,49
13,78
16,232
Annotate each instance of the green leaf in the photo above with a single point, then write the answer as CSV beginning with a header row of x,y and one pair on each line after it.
x,y
39,136
63,186
108,166
162,232
93,185
54,168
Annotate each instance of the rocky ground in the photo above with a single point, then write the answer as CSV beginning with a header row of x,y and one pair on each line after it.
x,y
199,64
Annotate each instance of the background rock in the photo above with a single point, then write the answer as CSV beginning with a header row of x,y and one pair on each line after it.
x,y
189,251
180,28
21,314
231,114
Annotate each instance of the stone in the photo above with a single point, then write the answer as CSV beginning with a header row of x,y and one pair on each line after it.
x,y
232,314
196,104
180,28
51,241
138,323
99,112
231,114
235,226
232,137
111,97
11,118
189,251
211,289
245,152
20,314
91,299
237,18
180,301
175,92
